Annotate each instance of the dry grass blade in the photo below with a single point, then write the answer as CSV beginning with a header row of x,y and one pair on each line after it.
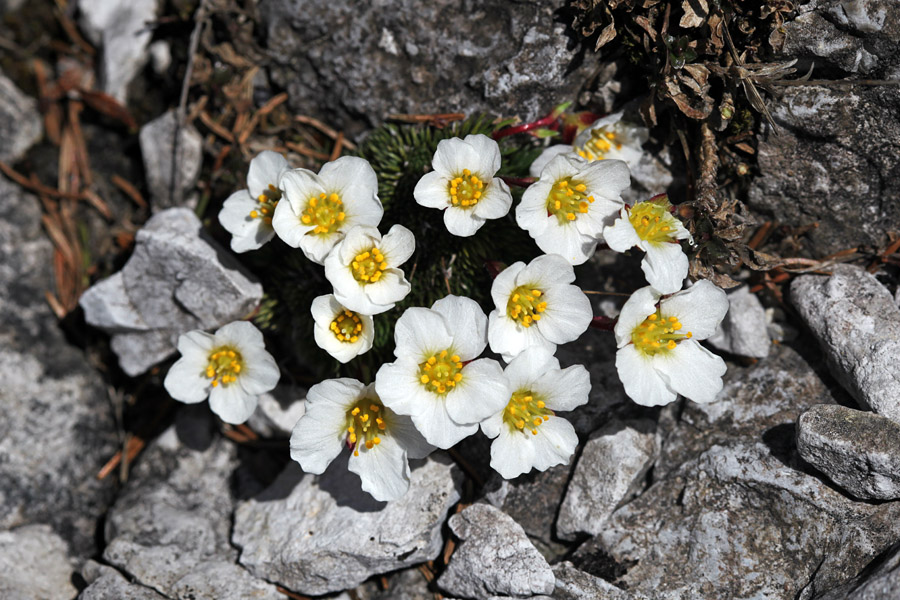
x,y
216,127
333,134
97,202
129,190
338,146
306,151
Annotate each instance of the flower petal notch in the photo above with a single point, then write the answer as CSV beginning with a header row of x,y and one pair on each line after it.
x,y
320,209
346,413
339,331
364,271
571,204
527,433
247,214
436,379
659,355
651,226
536,305
231,367
463,185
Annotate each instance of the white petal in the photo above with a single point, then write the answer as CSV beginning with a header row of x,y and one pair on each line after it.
x,y
432,191
454,155
436,425
600,216
419,332
637,308
260,372
567,316
512,454
357,240
528,367
391,288
621,236
232,403
531,213
382,469
567,241
482,392
399,388
692,371
699,308
325,308
242,334
508,339
462,221
665,267
196,343
266,169
496,201
408,437
642,382
504,284
319,435
316,246
546,157
398,245
469,324
186,380
299,185
566,389
340,350
491,426
288,226
545,271
606,178
361,209
603,122
488,151
352,178
247,233
554,443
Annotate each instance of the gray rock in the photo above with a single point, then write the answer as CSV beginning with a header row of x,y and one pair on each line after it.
x,y
610,471
323,534
20,121
857,324
744,331
170,527
57,429
35,565
278,411
409,584
878,582
121,28
494,557
177,279
493,56
856,450
574,584
112,586
172,158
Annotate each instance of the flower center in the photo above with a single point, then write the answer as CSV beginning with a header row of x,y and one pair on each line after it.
x,y
524,306
325,212
600,143
653,222
346,326
369,266
441,372
364,422
268,200
465,190
567,198
224,365
523,411
657,334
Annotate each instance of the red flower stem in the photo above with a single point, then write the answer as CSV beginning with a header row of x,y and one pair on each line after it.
x,y
548,122
603,323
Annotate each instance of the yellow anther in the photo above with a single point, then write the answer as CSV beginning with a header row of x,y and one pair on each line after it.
x,y
465,189
653,221
566,199
580,187
570,216
254,214
424,378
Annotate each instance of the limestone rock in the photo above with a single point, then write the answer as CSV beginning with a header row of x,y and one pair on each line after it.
x,y
20,121
112,586
857,324
321,534
610,470
177,279
172,158
35,565
494,557
574,584
278,411
857,450
878,582
744,331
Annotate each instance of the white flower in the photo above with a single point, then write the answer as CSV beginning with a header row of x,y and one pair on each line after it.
x,y
340,332
463,185
321,208
606,138
567,209
658,356
363,268
433,380
344,412
652,227
247,214
537,306
528,434
230,366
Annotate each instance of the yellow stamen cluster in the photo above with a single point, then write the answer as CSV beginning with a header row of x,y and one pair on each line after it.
x,y
658,334
598,145
369,266
346,326
653,222
466,189
523,412
525,306
567,199
365,421
268,200
225,364
440,372
326,213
